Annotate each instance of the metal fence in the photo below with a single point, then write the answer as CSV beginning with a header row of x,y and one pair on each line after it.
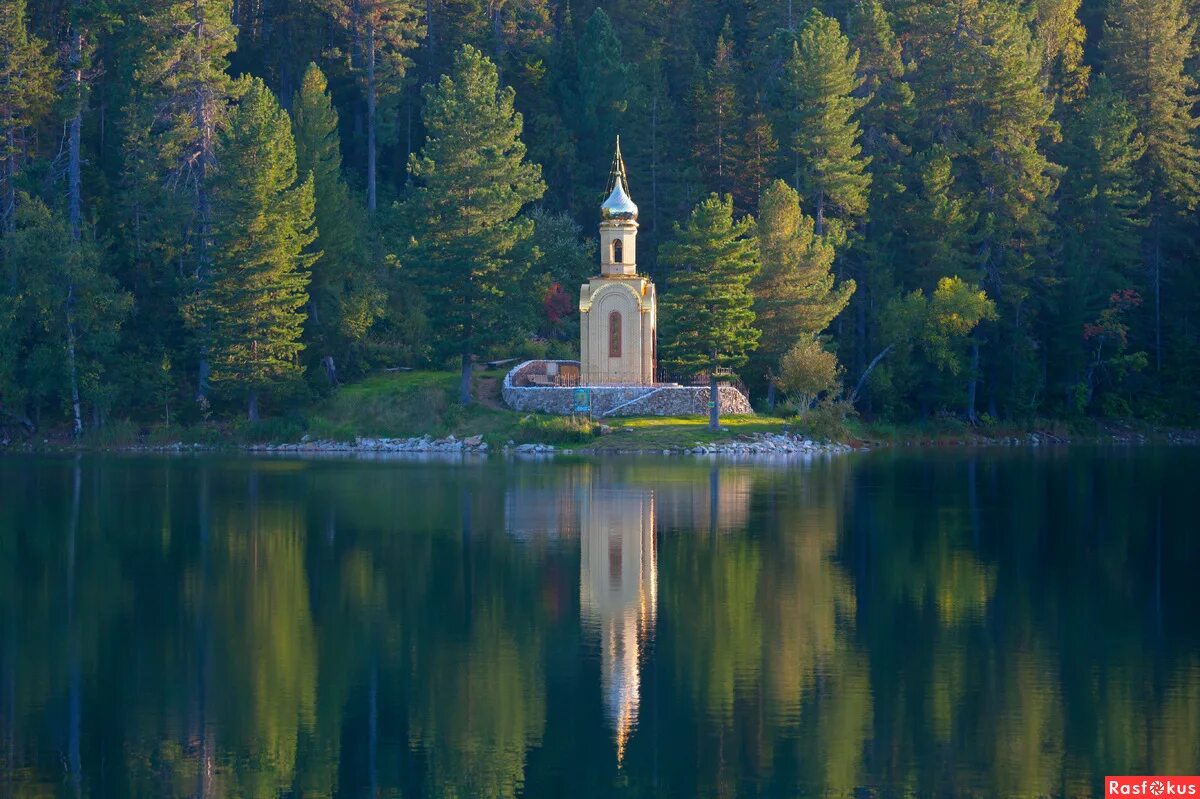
x,y
725,376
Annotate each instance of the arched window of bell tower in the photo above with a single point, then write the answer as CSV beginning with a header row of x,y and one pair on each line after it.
x,y
618,251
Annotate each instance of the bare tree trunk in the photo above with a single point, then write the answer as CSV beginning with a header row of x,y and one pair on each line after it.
x,y
771,391
1157,280
252,405
862,381
464,382
76,413
204,128
74,214
973,383
371,103
714,402
9,212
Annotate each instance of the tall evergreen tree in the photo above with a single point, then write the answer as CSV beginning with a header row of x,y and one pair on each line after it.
x,y
886,120
381,33
795,294
472,181
180,107
708,311
941,226
26,88
598,103
759,149
1148,44
1102,219
819,125
719,117
263,228
1061,38
981,93
344,296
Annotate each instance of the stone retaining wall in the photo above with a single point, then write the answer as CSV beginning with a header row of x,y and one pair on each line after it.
x,y
664,400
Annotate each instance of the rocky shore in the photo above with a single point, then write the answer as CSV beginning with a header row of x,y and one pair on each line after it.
x,y
759,444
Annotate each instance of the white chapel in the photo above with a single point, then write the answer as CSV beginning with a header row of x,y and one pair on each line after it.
x,y
618,308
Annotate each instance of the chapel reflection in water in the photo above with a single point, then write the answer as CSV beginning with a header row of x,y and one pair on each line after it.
x,y
618,587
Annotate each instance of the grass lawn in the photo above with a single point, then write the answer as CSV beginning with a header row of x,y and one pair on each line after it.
x,y
666,432
406,404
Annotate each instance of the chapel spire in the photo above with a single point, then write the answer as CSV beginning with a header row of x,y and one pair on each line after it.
x,y
617,171
618,207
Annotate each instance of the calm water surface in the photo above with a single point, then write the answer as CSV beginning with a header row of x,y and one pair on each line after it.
x,y
893,624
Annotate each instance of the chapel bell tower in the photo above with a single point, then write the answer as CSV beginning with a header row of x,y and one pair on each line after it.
x,y
618,324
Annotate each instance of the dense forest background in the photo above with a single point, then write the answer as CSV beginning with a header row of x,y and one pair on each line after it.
x,y
987,207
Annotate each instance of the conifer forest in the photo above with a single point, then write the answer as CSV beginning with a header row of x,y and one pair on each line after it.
x,y
983,209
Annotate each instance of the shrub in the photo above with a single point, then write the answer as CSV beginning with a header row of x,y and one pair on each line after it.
x,y
807,372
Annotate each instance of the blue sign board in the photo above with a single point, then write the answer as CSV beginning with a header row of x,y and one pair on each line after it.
x,y
583,400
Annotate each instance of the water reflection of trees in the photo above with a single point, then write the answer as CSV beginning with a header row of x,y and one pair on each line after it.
x,y
907,625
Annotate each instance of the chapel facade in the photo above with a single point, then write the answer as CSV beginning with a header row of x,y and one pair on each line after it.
x,y
618,307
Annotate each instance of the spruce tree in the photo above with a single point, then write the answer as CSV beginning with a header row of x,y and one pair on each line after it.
x,y
819,125
794,293
381,33
26,89
472,182
1148,44
263,229
708,311
344,296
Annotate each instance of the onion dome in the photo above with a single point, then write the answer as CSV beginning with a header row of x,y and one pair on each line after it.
x,y
618,205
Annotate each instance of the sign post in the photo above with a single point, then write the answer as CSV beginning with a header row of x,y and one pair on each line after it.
x,y
583,401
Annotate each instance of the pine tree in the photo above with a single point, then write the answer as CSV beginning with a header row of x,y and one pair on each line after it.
x,y
794,293
1148,44
263,228
381,34
707,313
473,180
719,118
344,297
26,88
818,117
176,114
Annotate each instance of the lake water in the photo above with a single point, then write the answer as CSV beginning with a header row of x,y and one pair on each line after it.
x,y
1016,623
